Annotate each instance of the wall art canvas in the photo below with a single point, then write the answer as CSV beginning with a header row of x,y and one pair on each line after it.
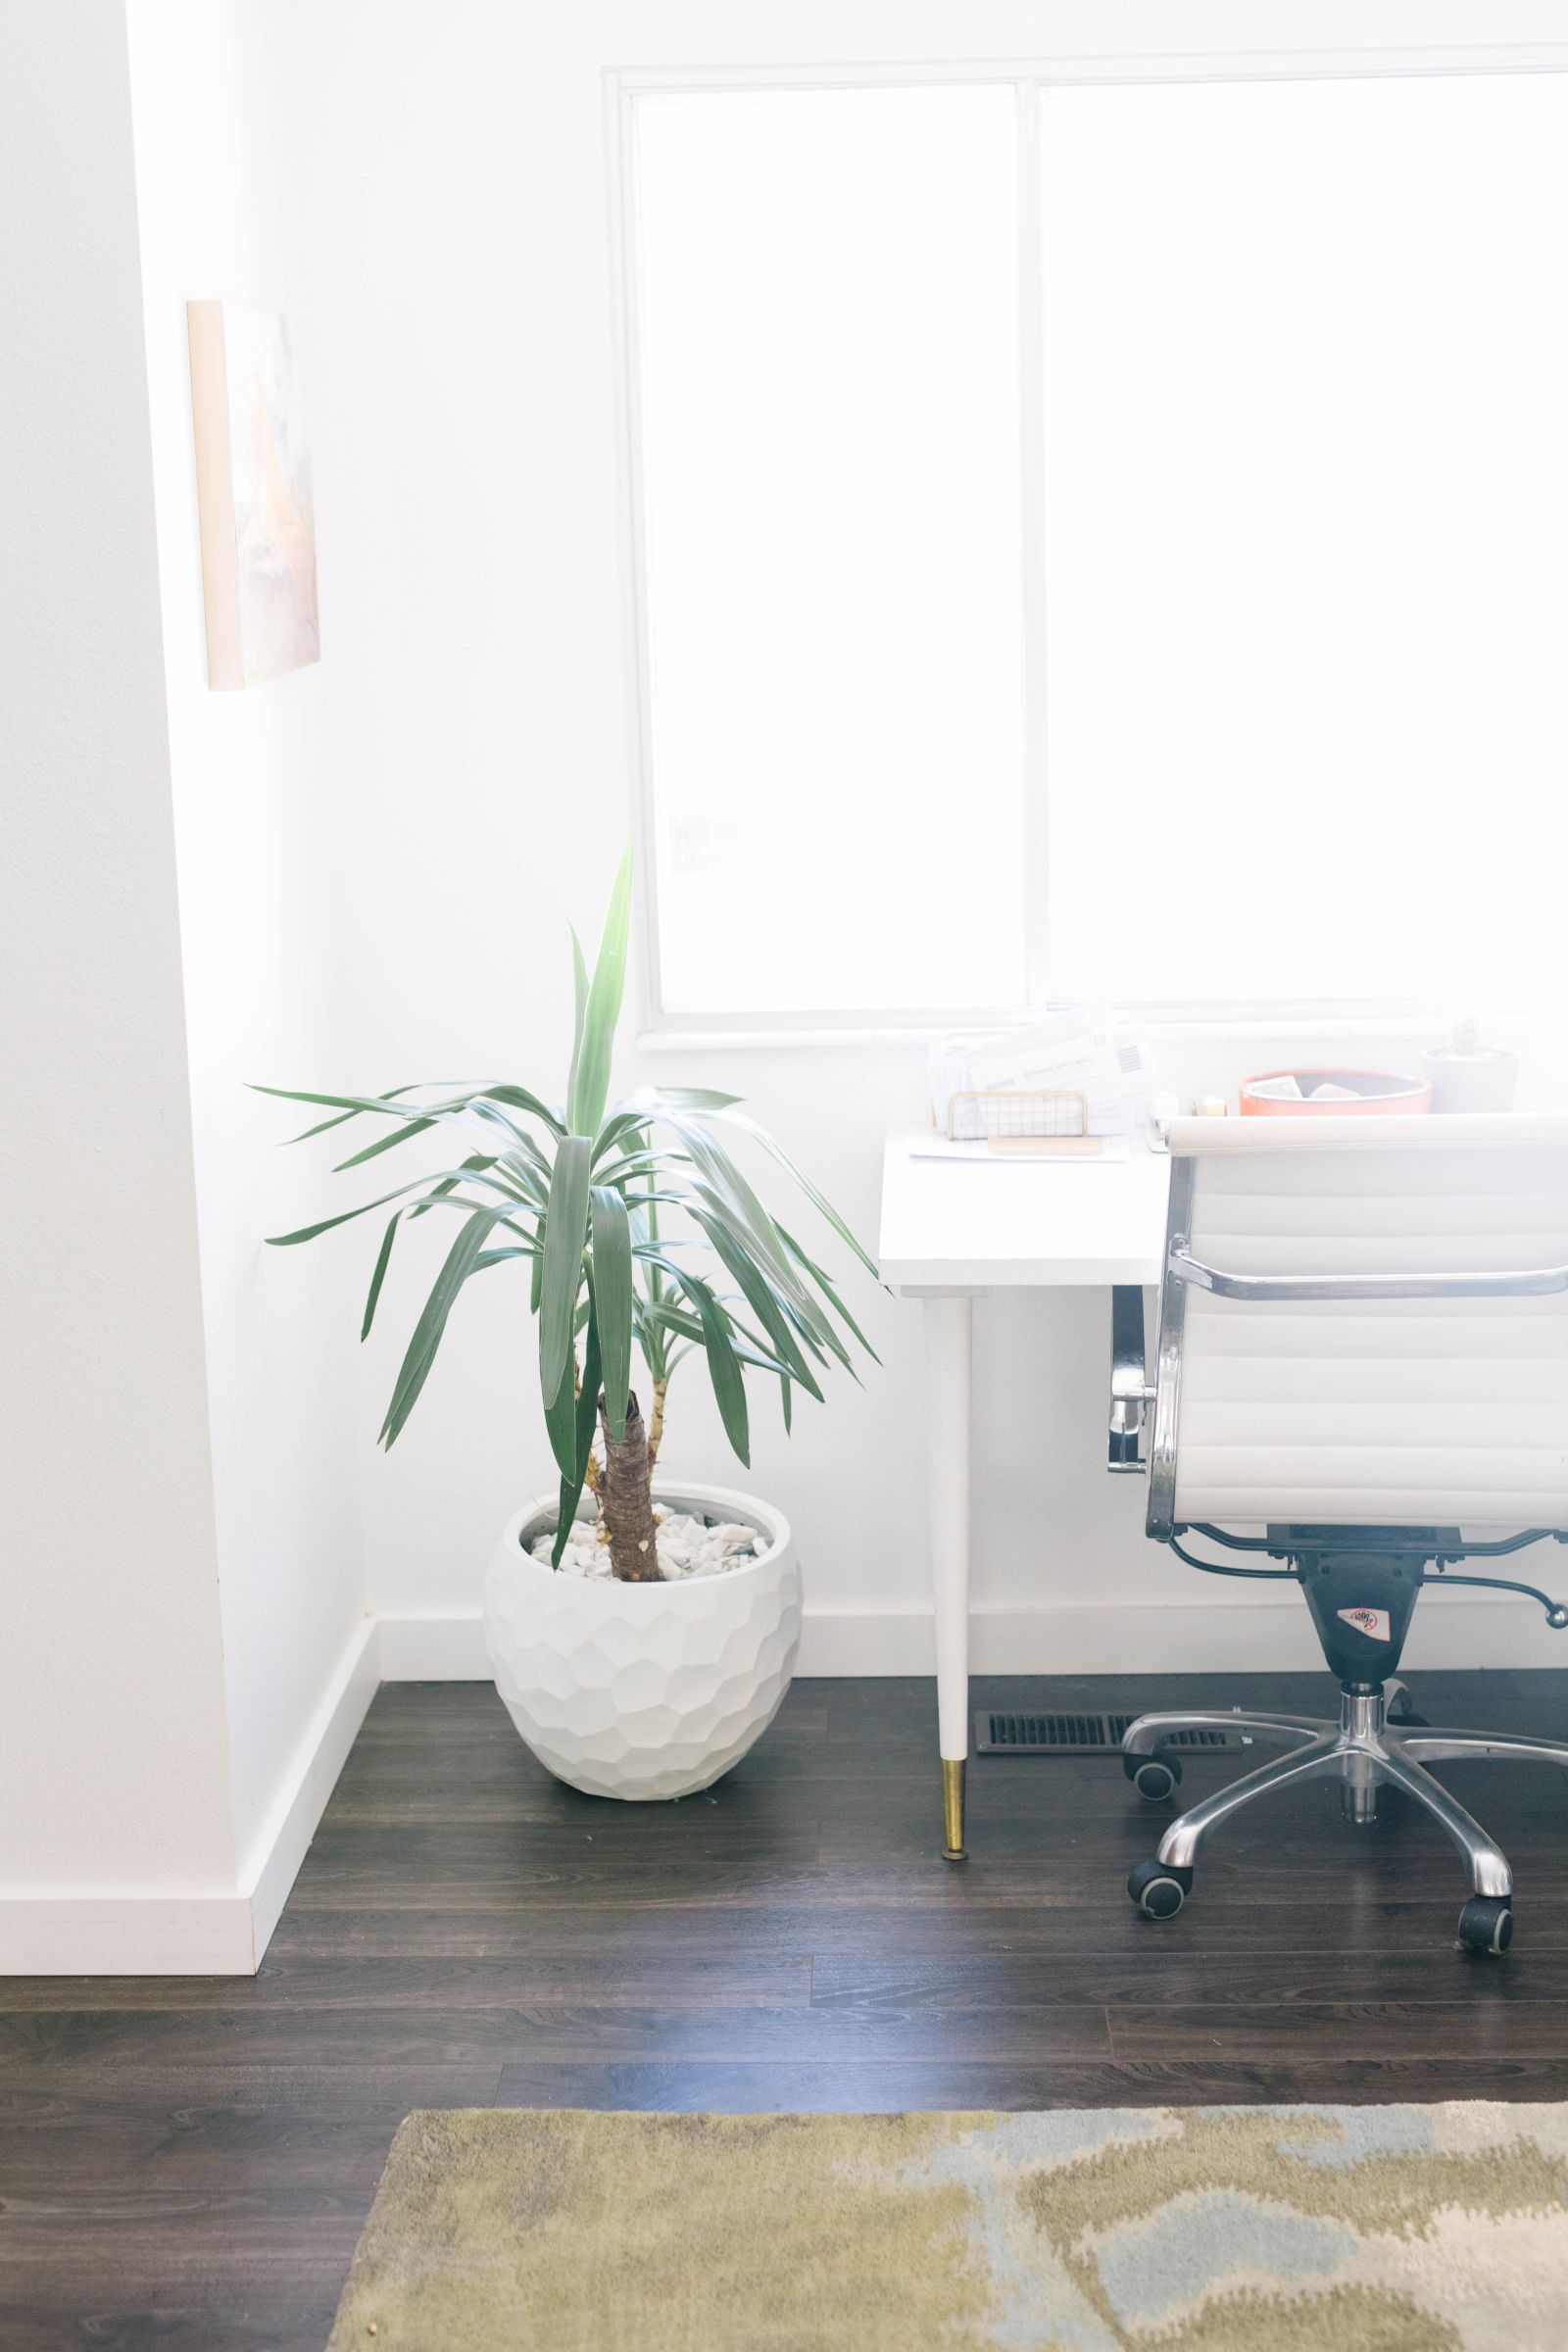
x,y
253,481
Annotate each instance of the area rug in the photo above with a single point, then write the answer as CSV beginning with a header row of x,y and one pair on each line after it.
x,y
1169,2230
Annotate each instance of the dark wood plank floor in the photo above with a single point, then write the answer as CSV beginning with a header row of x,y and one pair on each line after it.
x,y
188,2162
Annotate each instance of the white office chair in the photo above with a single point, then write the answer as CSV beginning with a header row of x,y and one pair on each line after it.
x,y
1363,1373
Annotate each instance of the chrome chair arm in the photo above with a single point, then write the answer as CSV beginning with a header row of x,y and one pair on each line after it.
x,y
1130,1390
1534,1282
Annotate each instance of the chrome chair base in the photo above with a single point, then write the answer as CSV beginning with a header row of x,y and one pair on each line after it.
x,y
1363,1752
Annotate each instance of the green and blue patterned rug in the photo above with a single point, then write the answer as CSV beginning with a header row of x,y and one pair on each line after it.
x,y
1437,2228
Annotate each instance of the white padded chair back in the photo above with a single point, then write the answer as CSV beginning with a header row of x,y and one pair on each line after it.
x,y
1397,1412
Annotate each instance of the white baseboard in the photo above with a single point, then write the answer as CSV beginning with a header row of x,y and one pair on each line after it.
x,y
279,1847
434,1649
1262,1637
204,1935
126,1936
226,1935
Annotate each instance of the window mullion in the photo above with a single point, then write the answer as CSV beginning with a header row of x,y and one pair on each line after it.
x,y
1032,476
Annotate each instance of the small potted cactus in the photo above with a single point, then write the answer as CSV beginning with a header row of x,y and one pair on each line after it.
x,y
1467,1076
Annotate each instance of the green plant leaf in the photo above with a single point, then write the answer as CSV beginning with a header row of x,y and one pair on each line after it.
x,y
485,1111
591,1077
693,1098
760,1299
450,1178
309,1232
723,1368
384,1143
566,1231
646,1103
479,1112
730,1197
480,1101
672,1318
339,1118
342,1117
379,1276
476,1163
579,990
828,1292
614,1129
820,1337
732,1194
763,1244
523,1172
585,1405
560,1426
638,1164
527,1155
570,1419
350,1102
667,1317
612,1300
518,1098
751,1127
431,1326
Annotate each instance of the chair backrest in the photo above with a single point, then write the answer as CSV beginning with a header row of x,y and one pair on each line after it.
x,y
1382,1408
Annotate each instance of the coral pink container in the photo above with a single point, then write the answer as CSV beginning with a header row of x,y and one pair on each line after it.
x,y
1382,1094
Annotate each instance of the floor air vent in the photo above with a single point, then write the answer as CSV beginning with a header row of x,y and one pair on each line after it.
x,y
999,1735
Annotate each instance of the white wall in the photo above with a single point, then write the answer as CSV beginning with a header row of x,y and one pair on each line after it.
x,y
444,166
186,1648
114,1775
254,789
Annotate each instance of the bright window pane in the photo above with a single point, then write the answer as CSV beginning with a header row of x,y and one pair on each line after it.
x,y
830,435
1308,514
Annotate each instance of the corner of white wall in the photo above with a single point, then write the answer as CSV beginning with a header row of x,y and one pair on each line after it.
x,y
252,785
207,1932
269,1871
116,1773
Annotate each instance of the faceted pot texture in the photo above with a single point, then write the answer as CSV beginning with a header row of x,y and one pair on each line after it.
x,y
644,1690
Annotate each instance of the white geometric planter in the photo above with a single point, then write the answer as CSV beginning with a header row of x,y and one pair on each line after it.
x,y
644,1690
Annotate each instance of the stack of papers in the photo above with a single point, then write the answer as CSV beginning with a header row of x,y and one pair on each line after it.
x,y
1078,1052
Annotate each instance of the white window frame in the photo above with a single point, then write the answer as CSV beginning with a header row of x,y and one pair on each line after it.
x,y
1030,77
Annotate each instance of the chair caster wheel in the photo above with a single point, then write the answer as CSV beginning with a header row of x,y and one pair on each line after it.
x,y
1485,1924
1160,1888
1154,1777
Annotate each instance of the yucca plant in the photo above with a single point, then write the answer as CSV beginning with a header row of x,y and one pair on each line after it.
x,y
607,1209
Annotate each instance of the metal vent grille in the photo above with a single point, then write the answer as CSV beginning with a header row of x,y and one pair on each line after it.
x,y
1001,1735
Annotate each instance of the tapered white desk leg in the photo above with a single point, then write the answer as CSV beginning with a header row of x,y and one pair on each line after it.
x,y
949,1352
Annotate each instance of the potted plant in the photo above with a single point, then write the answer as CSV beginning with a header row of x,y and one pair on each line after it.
x,y
1467,1076
643,1632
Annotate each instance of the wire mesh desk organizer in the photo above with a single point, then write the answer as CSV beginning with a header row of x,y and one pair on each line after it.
x,y
1064,1087
1010,1119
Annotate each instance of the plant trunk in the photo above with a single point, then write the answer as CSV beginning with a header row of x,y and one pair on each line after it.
x,y
626,1500
655,1427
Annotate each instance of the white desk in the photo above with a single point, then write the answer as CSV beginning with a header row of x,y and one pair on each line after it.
x,y
950,1233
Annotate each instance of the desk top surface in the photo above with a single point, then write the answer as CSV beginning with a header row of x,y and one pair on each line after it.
x,y
1020,1224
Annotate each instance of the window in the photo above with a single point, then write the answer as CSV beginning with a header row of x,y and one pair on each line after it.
x,y
1100,540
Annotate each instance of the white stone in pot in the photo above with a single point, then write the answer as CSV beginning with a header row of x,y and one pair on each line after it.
x,y
644,1690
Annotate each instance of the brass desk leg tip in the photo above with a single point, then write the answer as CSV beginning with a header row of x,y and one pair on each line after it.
x,y
954,1849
